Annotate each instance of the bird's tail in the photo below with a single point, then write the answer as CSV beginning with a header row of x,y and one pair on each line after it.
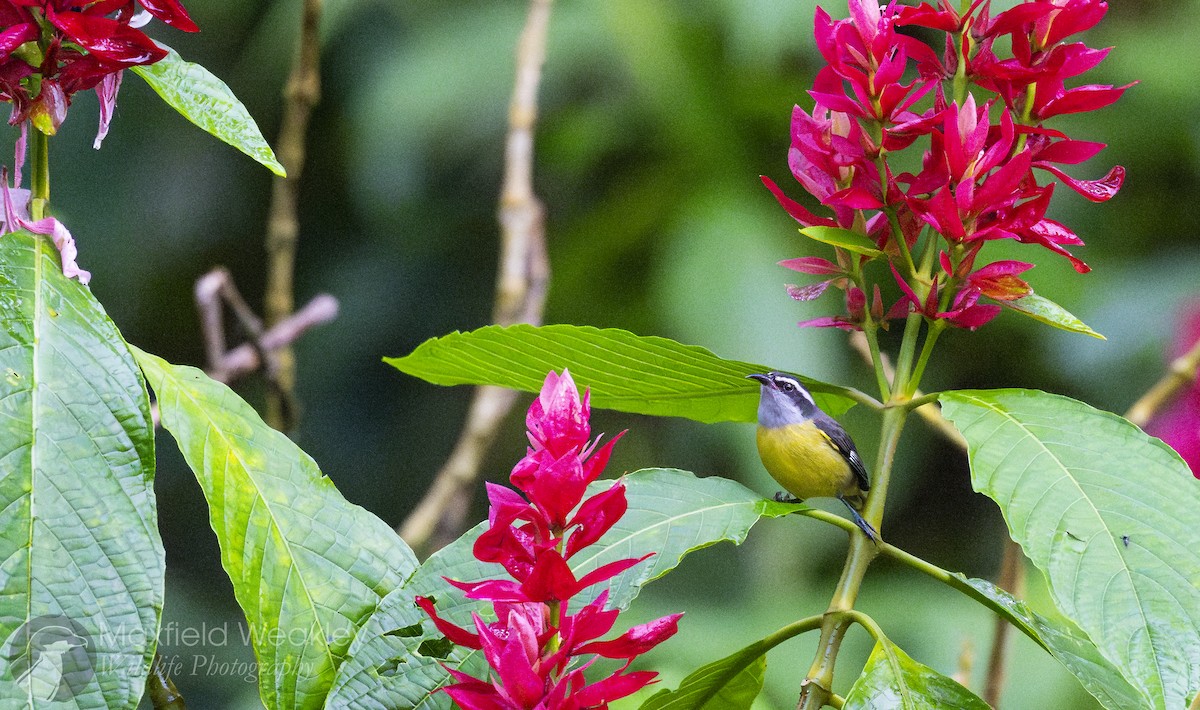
x,y
854,503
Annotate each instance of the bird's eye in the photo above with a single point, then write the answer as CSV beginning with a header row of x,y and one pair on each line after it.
x,y
786,386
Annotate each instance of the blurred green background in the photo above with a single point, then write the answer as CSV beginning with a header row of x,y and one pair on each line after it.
x,y
657,119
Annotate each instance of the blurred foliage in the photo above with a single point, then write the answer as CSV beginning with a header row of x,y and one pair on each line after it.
x,y
657,118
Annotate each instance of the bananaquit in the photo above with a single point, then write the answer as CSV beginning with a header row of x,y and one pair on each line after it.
x,y
805,450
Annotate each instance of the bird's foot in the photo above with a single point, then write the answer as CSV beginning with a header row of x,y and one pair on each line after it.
x,y
868,530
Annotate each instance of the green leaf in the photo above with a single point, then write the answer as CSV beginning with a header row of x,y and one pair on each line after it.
x,y
893,681
206,101
845,238
626,372
731,683
670,512
307,566
1049,312
1066,643
1107,513
81,560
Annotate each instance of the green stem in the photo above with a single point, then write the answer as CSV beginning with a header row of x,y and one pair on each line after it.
x,y
935,329
817,689
837,701
39,205
871,331
908,349
862,398
867,623
162,692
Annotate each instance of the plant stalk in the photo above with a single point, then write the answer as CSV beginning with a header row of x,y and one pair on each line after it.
x,y
818,684
39,204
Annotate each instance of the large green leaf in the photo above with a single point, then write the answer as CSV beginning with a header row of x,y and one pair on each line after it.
x,y
731,683
81,561
670,513
893,681
626,372
1066,643
307,566
1108,514
206,101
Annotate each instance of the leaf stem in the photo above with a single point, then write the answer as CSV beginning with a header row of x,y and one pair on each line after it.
x,y
871,333
935,329
39,205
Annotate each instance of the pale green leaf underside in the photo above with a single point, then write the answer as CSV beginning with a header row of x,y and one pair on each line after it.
x,y
209,103
307,566
1065,642
626,372
731,683
1050,313
893,681
1108,514
78,522
670,513
845,238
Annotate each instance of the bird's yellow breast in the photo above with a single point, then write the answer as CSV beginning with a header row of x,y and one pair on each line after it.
x,y
802,459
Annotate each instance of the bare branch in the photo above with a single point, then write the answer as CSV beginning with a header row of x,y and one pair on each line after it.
x,y
521,281
301,95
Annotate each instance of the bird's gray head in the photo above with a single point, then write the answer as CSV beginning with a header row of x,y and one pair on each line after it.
x,y
783,400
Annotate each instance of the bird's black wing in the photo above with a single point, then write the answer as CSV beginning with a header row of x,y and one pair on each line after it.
x,y
845,445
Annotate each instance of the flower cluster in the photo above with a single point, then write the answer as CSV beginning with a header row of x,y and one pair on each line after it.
x,y
51,49
535,645
981,164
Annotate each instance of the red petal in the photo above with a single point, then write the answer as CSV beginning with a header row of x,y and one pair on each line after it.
x,y
1080,99
614,687
107,38
636,641
812,265
595,517
795,209
15,36
1100,190
170,12
458,635
610,570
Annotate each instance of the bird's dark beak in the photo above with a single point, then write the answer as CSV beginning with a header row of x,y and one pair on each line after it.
x,y
761,378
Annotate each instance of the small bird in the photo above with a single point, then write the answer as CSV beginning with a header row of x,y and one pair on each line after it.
x,y
805,450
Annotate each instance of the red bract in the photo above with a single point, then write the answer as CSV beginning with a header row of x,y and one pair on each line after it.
x,y
51,49
536,646
981,160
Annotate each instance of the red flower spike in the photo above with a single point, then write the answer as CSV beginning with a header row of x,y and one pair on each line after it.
x,y
795,209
